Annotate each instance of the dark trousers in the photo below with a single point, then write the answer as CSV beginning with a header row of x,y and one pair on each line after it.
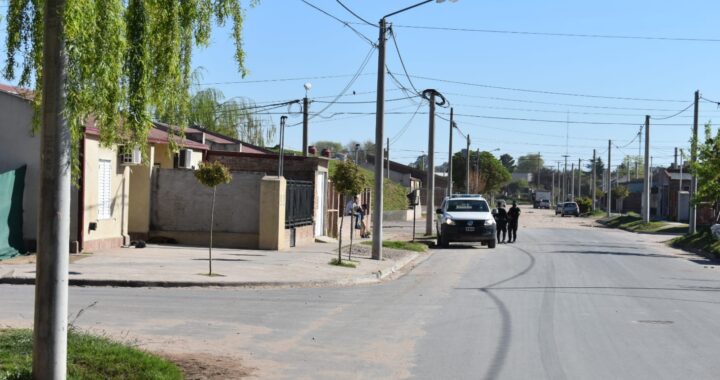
x,y
501,227
512,231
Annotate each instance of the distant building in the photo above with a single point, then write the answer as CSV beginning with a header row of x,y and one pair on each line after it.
x,y
517,176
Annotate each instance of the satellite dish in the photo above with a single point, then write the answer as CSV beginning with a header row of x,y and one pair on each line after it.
x,y
307,86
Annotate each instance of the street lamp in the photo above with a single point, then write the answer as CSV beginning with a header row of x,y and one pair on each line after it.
x,y
379,120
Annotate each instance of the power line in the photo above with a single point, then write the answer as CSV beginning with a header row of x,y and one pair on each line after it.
x,y
547,92
675,114
573,35
556,121
407,125
402,63
355,14
346,23
317,77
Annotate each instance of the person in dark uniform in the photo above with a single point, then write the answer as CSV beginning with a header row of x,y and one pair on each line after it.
x,y
501,220
513,218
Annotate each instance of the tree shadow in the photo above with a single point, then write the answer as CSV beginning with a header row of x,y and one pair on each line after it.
x,y
615,253
220,259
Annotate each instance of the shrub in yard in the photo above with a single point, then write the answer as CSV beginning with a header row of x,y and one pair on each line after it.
x,y
212,174
584,203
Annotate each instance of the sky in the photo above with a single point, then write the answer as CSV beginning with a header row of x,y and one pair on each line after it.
x,y
520,92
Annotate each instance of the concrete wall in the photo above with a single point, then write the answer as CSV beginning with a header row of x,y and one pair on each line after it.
x,y
180,208
19,147
140,177
111,232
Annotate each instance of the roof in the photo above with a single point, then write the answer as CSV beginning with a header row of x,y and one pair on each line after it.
x,y
219,138
22,93
155,136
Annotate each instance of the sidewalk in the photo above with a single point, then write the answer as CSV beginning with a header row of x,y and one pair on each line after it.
x,y
183,266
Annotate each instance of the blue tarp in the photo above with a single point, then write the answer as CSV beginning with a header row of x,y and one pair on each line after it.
x,y
12,185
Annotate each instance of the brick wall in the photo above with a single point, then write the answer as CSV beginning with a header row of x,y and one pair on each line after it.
x,y
295,167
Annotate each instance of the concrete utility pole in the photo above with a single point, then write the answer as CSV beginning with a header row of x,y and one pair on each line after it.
x,y
450,154
467,165
593,185
388,158
693,159
430,185
377,220
557,199
637,167
646,180
572,181
579,183
552,188
564,183
680,188
306,106
477,169
51,284
675,159
281,154
608,195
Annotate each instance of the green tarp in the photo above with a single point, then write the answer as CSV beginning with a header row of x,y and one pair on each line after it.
x,y
12,185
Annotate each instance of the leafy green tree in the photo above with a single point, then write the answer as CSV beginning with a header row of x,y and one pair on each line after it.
x,y
113,61
487,173
124,58
508,162
336,147
620,192
515,187
235,118
584,204
529,163
348,180
212,175
707,168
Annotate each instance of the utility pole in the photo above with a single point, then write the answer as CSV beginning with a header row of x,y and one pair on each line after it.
x,y
552,188
557,200
675,160
477,169
637,167
572,181
681,183
579,183
430,185
693,159
537,181
50,326
377,220
646,180
388,158
564,183
467,165
281,155
450,154
306,105
608,195
593,185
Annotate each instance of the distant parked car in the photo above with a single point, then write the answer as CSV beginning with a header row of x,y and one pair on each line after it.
x,y
570,208
559,208
545,203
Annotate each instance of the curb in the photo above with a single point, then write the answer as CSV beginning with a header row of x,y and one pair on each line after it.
x,y
402,267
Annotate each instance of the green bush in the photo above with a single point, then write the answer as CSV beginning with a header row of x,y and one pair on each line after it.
x,y
584,203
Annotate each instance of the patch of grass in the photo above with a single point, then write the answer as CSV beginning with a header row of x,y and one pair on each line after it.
x,y
594,214
633,222
344,263
699,241
89,357
402,245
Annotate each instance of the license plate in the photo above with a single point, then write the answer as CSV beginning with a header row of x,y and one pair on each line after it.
x,y
469,229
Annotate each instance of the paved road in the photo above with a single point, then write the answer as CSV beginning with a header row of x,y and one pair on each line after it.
x,y
583,303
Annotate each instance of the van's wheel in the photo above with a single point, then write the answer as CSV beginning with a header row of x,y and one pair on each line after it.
x,y
492,243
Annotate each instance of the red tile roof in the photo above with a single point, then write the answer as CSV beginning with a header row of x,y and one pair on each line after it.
x,y
155,136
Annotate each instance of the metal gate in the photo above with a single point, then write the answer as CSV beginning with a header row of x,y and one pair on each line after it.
x,y
299,203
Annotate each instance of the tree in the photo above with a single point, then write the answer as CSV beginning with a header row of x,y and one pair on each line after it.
x,y
515,187
113,61
234,118
508,162
529,163
349,181
487,174
707,168
212,175
332,145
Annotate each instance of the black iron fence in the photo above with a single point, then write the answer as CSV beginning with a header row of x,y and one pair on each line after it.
x,y
299,203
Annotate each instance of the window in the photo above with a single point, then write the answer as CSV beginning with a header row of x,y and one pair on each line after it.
x,y
469,205
104,180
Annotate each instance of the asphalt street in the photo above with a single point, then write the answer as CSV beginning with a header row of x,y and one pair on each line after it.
x,y
584,303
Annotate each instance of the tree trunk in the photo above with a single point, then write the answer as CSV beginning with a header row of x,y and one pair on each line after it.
x,y
212,217
352,232
342,221
49,360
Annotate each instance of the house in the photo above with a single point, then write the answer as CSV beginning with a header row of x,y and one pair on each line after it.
x,y
410,177
108,182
